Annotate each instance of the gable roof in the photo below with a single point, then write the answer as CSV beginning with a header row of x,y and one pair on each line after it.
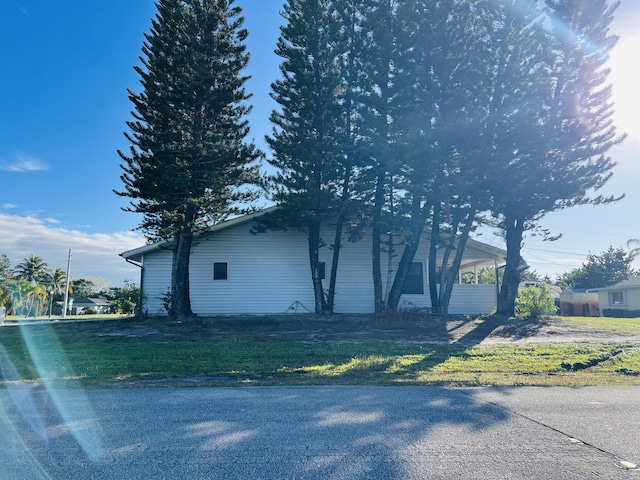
x,y
137,253
633,282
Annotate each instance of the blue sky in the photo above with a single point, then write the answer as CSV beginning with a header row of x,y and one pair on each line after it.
x,y
63,104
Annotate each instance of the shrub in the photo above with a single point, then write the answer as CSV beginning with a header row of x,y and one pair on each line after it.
x,y
535,302
620,313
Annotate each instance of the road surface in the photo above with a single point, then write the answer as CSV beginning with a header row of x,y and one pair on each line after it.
x,y
319,433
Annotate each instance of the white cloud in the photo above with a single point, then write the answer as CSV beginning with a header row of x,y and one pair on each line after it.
x,y
24,164
92,254
8,206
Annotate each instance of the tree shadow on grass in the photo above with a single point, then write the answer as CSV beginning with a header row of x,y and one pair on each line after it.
x,y
499,326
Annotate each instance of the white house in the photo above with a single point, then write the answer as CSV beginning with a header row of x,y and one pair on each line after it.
x,y
621,299
96,305
234,271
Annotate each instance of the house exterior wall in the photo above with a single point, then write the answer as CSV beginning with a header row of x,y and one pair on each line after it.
x,y
631,297
156,280
269,273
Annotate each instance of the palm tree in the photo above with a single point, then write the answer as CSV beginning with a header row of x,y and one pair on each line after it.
x,y
32,269
634,252
5,295
57,283
37,293
20,291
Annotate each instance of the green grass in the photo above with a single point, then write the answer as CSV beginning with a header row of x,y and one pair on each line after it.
x,y
125,353
629,326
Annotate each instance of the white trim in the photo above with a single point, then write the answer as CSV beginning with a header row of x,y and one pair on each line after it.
x,y
612,303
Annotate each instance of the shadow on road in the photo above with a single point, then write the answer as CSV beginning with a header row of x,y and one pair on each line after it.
x,y
269,432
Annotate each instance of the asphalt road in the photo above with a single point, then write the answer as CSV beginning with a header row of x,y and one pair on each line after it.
x,y
319,433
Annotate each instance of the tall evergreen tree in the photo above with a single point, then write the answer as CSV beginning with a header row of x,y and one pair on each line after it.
x,y
553,120
188,156
412,108
349,139
6,272
306,127
380,168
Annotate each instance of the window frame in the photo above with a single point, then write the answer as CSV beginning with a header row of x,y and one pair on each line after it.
x,y
226,272
613,302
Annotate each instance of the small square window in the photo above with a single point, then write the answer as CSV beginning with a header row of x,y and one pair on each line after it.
x,y
220,270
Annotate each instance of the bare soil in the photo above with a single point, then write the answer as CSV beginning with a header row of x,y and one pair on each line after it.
x,y
404,328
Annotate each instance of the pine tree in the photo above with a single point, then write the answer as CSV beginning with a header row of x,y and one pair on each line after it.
x,y
188,156
306,127
602,270
377,27
553,124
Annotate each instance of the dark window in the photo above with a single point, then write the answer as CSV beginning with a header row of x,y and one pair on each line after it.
x,y
414,284
322,270
220,270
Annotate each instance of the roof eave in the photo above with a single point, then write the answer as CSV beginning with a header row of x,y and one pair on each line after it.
x,y
137,253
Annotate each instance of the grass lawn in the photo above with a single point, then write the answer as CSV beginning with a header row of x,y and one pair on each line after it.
x,y
125,353
615,325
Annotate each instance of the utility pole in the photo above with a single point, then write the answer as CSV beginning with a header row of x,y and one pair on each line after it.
x,y
66,290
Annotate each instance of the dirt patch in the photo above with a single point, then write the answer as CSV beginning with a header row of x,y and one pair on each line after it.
x,y
402,328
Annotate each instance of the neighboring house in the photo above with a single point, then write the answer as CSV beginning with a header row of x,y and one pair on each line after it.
x,y
621,299
579,302
90,305
234,271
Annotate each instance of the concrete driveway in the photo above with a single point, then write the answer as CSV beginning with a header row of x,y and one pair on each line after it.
x,y
319,433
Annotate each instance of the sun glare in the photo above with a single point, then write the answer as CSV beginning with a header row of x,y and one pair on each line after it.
x,y
625,76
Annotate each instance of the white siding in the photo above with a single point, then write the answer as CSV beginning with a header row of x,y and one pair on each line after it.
x,y
470,299
269,273
156,280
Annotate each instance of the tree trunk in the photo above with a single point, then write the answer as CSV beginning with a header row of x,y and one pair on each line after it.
x,y
337,244
433,253
314,254
376,249
408,254
447,288
514,229
181,303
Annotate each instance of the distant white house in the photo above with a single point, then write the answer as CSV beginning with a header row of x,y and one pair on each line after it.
x,y
621,299
234,271
84,306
